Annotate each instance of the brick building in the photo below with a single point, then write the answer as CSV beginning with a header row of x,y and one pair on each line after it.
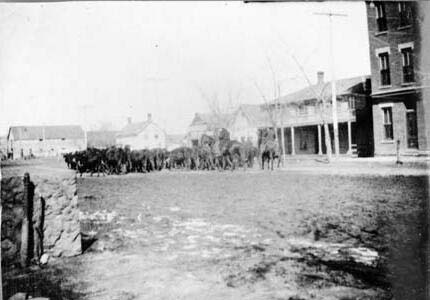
x,y
399,75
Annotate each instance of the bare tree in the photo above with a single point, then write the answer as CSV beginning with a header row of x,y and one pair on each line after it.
x,y
323,104
272,107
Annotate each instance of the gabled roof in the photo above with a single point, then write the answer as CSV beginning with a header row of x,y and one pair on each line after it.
x,y
256,114
343,87
133,129
46,132
212,121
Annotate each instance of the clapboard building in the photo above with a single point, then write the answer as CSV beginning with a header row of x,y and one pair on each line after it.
x,y
43,141
400,75
142,135
206,123
247,121
302,116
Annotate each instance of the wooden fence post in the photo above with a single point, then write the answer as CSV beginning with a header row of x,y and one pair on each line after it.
x,y
26,230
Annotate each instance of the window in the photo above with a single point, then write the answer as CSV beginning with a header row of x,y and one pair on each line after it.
x,y
408,65
384,64
405,13
381,18
388,123
302,110
351,103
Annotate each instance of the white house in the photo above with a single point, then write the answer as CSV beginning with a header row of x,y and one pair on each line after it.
x,y
246,122
142,135
205,123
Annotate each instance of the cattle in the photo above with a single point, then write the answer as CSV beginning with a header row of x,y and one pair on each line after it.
x,y
211,153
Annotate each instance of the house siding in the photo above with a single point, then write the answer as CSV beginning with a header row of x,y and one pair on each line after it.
x,y
44,148
241,129
146,139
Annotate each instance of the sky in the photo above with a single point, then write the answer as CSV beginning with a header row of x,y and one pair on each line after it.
x,y
97,63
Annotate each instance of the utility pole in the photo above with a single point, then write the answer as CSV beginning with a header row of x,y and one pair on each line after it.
x,y
85,108
333,81
281,122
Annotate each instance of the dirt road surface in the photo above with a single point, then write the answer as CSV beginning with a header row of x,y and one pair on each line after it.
x,y
226,235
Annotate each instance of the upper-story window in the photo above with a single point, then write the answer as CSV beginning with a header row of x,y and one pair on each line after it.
x,y
405,13
381,18
408,64
384,66
303,110
351,103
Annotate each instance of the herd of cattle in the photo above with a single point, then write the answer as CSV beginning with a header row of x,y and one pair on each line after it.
x,y
218,152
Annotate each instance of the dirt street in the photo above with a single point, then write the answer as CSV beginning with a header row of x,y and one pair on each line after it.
x,y
229,235
225,235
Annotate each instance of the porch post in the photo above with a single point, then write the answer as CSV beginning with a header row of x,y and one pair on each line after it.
x,y
293,147
319,140
349,139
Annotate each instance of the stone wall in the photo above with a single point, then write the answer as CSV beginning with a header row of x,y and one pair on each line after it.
x,y
57,194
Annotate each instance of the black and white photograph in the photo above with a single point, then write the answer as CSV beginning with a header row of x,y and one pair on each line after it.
x,y
214,150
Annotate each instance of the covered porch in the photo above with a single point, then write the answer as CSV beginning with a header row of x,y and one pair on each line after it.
x,y
310,139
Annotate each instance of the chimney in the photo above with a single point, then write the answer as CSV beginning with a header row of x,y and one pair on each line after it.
x,y
149,117
320,77
129,120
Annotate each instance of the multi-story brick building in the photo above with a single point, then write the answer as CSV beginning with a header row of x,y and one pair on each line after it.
x,y
399,75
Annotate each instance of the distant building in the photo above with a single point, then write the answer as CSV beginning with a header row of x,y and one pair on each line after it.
x,y
142,135
301,116
400,71
3,147
101,139
206,123
246,122
42,141
174,141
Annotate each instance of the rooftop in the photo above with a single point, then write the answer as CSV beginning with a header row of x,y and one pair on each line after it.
x,y
46,132
322,89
